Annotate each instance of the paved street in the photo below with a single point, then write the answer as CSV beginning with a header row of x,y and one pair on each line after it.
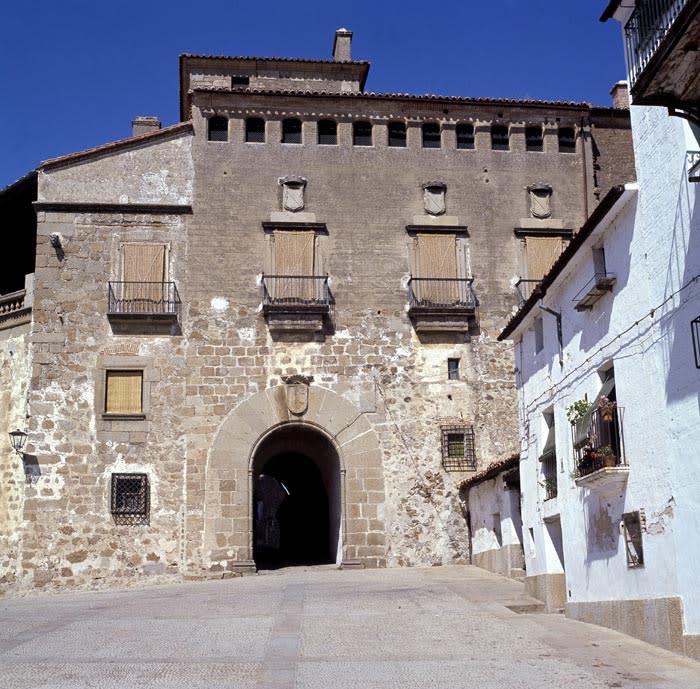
x,y
321,629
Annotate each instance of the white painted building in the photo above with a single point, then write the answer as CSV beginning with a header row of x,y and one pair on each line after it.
x,y
611,505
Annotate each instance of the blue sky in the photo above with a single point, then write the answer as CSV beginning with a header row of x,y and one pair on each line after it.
x,y
74,73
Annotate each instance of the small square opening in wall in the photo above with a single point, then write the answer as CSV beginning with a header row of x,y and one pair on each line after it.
x,y
130,498
453,369
124,393
632,530
538,327
458,450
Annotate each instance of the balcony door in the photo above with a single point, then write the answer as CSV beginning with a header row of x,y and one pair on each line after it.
x,y
436,269
143,277
540,253
293,270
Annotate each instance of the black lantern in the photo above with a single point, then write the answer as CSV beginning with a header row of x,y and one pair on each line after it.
x,y
695,332
17,440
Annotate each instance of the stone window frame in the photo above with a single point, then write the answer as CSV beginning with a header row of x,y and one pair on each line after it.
x,y
466,460
121,415
124,427
220,119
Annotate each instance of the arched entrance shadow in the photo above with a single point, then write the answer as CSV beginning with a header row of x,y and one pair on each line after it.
x,y
225,517
296,499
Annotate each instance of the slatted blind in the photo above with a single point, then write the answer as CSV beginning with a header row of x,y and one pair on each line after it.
x,y
437,258
541,254
294,255
144,269
123,394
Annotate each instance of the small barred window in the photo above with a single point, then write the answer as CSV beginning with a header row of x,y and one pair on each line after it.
x,y
632,529
458,450
130,498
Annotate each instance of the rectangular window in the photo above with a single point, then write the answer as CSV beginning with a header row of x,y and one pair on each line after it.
x,y
541,252
327,132
130,498
533,139
567,140
634,550
143,278
397,135
458,449
124,393
294,266
362,134
499,138
431,135
465,136
240,82
453,369
539,335
436,269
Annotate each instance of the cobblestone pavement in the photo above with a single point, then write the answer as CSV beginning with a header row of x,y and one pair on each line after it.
x,y
322,629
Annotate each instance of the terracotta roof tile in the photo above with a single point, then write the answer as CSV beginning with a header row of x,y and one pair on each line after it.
x,y
491,471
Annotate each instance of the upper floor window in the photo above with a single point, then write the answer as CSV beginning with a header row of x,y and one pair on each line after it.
x,y
291,131
567,140
431,135
539,335
397,134
465,136
362,133
533,139
255,130
499,137
327,132
123,393
217,129
453,369
240,81
458,448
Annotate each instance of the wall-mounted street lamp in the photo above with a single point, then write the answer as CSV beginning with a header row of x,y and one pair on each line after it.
x,y
17,440
695,332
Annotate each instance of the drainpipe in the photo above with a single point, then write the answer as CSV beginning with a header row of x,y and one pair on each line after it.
x,y
560,338
585,138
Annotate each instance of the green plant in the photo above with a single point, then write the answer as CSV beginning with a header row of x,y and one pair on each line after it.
x,y
576,411
606,451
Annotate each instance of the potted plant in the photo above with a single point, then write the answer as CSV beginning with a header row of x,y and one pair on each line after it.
x,y
607,409
608,455
576,411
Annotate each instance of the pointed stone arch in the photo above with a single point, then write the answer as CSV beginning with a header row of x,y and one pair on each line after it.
x,y
228,515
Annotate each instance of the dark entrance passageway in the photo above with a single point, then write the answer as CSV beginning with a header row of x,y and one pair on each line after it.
x,y
296,500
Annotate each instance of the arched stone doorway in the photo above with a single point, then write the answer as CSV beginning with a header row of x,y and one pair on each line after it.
x,y
296,499
249,437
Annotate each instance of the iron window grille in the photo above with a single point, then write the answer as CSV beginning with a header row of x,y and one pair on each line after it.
x,y
458,448
632,529
465,136
130,499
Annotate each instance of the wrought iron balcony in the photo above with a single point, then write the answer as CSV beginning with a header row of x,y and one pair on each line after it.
x,y
599,450
298,303
524,289
593,290
645,29
143,300
442,304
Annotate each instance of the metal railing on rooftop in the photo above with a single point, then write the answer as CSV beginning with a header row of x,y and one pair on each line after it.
x,y
524,289
645,29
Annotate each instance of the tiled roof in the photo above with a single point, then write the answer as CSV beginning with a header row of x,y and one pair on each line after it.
x,y
121,143
249,58
400,96
579,238
491,471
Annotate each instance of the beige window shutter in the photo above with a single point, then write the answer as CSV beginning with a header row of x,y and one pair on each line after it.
x,y
144,272
437,258
541,254
294,256
123,395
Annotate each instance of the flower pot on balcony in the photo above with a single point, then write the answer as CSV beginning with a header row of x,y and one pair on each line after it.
x,y
609,460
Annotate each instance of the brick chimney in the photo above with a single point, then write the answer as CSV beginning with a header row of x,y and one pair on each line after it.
x,y
620,95
144,125
342,46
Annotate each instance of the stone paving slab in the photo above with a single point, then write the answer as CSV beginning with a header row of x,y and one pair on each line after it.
x,y
321,629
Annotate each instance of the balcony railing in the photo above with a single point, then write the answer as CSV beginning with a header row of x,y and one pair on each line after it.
x,y
441,293
296,290
14,309
157,300
524,288
646,28
601,443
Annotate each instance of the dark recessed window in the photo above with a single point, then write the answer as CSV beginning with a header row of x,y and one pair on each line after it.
x,y
634,548
327,132
362,134
397,134
431,135
465,136
458,448
533,139
453,369
217,129
567,140
291,131
130,498
499,138
255,130
240,82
